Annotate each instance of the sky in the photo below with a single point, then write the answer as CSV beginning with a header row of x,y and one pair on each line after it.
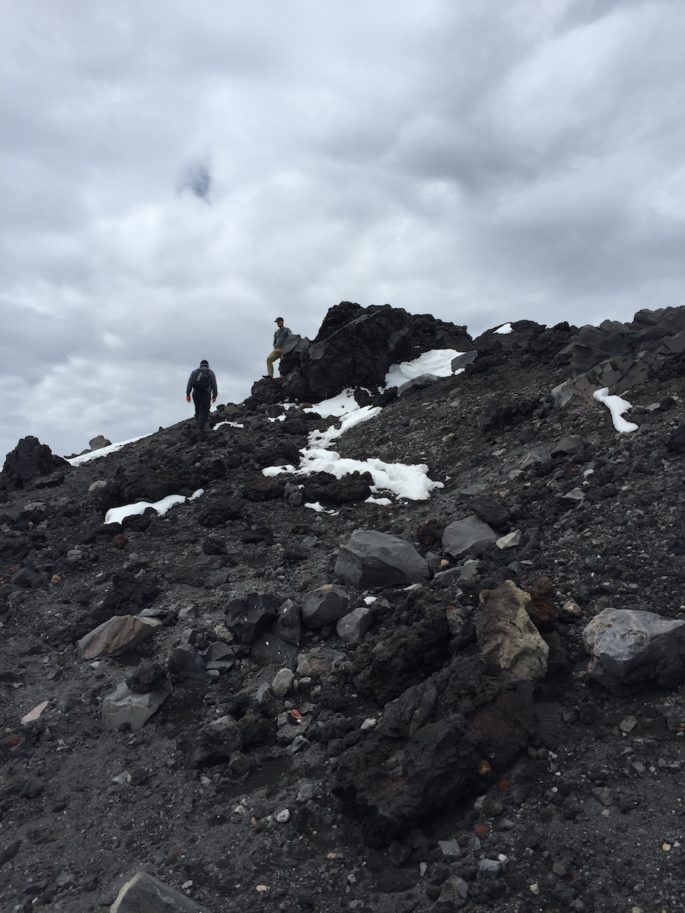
x,y
175,175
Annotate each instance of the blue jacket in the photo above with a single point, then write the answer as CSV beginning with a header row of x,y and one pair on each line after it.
x,y
280,337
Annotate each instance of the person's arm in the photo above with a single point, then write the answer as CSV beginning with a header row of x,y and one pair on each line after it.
x,y
288,332
215,390
189,385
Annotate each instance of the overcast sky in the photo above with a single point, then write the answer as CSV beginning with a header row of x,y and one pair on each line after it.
x,y
174,175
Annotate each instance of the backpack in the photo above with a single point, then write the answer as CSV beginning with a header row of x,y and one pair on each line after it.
x,y
202,381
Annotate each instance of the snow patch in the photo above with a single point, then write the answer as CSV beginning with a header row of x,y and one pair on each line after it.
x,y
505,329
617,407
103,451
232,424
437,362
117,514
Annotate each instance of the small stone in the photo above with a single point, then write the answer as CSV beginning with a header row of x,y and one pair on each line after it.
x,y
627,724
572,609
450,848
283,816
603,795
534,888
491,867
511,540
34,714
369,723
282,682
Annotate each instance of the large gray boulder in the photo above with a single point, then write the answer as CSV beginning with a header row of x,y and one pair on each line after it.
x,y
145,894
468,535
325,605
507,638
124,707
372,559
627,647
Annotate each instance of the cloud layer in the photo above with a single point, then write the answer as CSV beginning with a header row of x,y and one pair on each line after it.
x,y
175,175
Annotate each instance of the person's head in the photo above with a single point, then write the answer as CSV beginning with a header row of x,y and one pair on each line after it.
x,y
204,363
279,322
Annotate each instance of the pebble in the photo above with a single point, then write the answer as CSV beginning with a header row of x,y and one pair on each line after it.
x,y
627,724
282,682
283,816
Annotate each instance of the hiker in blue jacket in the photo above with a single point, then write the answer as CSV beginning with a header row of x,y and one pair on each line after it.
x,y
202,384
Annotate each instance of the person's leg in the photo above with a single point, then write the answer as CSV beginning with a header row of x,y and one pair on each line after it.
x,y
274,356
204,404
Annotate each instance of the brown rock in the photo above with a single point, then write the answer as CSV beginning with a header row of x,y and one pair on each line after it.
x,y
120,632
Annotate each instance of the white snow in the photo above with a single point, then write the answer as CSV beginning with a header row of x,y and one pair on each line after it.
x,y
505,329
319,508
384,502
617,407
347,421
103,451
337,405
117,514
232,424
437,362
410,482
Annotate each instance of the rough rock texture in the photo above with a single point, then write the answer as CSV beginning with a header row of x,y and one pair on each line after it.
x,y
145,894
468,535
28,460
355,347
120,632
507,638
325,605
267,798
628,647
370,559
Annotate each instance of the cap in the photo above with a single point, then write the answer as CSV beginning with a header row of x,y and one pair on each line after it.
x,y
204,362
277,319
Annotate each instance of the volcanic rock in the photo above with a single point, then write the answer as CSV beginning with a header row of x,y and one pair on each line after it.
x,y
325,605
121,632
99,441
29,460
507,638
373,559
628,647
467,535
247,617
145,894
352,627
356,346
129,709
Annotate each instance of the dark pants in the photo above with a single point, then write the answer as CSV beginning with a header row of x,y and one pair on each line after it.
x,y
202,400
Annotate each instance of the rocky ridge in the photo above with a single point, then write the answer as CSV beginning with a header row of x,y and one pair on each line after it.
x,y
470,702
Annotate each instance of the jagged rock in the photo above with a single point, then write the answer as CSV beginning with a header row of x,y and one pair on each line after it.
x,y
247,617
325,605
100,441
629,647
463,361
184,663
384,668
215,743
356,346
264,488
507,638
319,661
511,540
123,707
467,535
352,627
429,534
288,624
148,676
28,578
221,512
571,446
145,894
491,510
423,754
323,486
270,648
119,633
372,559
29,460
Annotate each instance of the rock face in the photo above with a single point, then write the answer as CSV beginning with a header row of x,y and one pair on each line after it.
x,y
28,460
145,894
507,638
628,647
120,632
372,559
355,347
468,535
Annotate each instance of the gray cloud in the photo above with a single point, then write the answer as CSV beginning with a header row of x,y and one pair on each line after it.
x,y
477,162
